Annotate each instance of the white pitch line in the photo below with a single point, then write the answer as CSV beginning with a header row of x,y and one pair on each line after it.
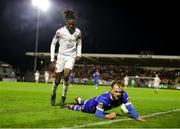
x,y
127,119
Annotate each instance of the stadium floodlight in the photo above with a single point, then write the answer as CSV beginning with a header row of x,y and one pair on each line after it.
x,y
41,5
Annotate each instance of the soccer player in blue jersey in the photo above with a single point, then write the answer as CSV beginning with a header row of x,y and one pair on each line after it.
x,y
96,76
111,99
72,77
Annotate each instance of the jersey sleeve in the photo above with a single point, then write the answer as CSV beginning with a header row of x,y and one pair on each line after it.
x,y
53,44
100,110
129,106
79,44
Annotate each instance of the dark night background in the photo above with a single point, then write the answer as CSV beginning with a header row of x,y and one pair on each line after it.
x,y
118,27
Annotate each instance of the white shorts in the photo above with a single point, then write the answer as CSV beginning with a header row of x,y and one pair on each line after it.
x,y
64,62
125,83
156,85
47,78
36,78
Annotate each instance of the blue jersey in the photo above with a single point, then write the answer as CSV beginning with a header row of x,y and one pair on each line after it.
x,y
104,102
96,76
72,77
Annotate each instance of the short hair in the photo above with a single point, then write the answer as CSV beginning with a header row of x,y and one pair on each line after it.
x,y
68,14
119,83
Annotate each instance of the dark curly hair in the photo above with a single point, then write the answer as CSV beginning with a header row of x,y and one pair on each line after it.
x,y
68,14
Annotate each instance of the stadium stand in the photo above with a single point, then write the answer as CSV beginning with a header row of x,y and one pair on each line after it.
x,y
140,67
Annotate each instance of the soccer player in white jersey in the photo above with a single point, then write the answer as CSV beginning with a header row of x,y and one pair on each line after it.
x,y
70,44
46,77
126,81
36,75
157,81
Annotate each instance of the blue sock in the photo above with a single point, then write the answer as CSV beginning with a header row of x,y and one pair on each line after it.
x,y
76,107
82,102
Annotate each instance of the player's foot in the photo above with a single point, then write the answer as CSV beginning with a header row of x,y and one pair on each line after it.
x,y
70,106
53,99
63,101
78,100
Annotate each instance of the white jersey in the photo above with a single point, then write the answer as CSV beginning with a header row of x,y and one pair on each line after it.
x,y
36,74
69,44
157,81
126,80
46,74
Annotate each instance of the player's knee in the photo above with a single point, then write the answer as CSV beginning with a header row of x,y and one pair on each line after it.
x,y
66,78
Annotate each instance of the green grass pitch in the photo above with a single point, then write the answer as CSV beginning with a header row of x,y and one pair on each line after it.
x,y
27,105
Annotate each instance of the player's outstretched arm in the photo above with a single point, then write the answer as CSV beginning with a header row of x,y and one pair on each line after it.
x,y
131,110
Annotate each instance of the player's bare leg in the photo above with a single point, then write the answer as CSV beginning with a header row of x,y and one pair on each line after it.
x,y
125,87
58,77
65,86
78,100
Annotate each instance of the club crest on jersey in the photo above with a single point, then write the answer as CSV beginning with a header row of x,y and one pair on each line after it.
x,y
100,105
77,36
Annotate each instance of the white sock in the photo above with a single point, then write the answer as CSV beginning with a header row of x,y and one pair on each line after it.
x,y
65,89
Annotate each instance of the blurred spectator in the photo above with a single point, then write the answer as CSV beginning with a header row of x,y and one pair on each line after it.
x,y
36,75
46,76
126,81
96,77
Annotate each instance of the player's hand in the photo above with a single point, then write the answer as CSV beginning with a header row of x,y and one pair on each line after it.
x,y
112,115
78,58
140,119
52,65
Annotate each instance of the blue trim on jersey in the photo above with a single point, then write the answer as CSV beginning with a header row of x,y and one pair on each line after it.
x,y
99,113
132,111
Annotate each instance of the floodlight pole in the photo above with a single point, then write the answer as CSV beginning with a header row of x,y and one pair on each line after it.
x,y
37,39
